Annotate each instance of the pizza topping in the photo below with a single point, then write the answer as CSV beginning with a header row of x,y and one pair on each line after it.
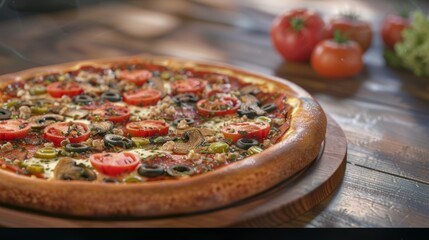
x,y
183,123
218,105
255,130
71,131
218,147
269,107
13,129
185,98
64,88
5,114
168,146
111,96
46,153
83,99
113,164
246,143
254,150
138,77
192,85
67,169
250,106
24,112
250,89
192,139
76,113
76,147
142,97
111,140
150,170
147,128
101,127
6,147
39,122
180,170
110,112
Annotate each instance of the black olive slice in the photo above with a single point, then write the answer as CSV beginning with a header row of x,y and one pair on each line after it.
x,y
82,99
150,170
180,170
111,97
4,114
110,180
117,140
246,143
76,147
189,121
249,113
269,107
185,98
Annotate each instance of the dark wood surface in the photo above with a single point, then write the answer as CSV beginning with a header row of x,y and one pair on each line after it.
x,y
383,112
281,203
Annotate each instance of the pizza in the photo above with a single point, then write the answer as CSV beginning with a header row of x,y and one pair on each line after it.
x,y
149,136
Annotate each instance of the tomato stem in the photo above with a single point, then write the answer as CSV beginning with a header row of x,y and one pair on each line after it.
x,y
297,23
339,37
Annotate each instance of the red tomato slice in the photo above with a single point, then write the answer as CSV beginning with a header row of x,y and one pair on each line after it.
x,y
147,128
255,130
190,85
73,131
18,170
13,128
138,77
110,112
59,89
113,164
217,106
142,97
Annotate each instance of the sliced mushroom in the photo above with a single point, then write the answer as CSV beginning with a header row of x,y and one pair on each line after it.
x,y
250,89
76,113
158,84
102,127
249,106
42,121
67,169
193,139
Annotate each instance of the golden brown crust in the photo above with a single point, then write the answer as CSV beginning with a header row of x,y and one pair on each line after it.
x,y
239,180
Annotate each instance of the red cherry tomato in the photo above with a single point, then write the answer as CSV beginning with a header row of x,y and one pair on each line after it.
x,y
217,105
337,60
138,77
142,97
59,89
353,28
255,130
13,128
392,27
75,132
295,34
190,85
110,112
147,128
113,164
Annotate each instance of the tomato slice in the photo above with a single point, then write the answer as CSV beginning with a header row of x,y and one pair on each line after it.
x,y
110,112
138,77
59,89
142,97
13,128
217,105
113,164
18,170
75,132
147,128
190,85
255,130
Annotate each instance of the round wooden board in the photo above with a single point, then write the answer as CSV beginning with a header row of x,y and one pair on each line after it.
x,y
274,206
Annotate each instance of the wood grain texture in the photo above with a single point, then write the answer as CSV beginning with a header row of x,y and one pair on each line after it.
x,y
281,203
383,112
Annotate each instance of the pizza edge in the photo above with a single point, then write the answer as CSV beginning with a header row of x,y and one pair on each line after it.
x,y
226,185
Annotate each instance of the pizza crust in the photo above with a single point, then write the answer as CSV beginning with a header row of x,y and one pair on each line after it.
x,y
226,185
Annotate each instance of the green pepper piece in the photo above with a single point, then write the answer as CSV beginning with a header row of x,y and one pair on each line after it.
x,y
165,75
133,179
35,168
140,141
46,153
218,147
37,90
263,119
254,149
39,109
11,104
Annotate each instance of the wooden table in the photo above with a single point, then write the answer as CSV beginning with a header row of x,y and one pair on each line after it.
x,y
383,112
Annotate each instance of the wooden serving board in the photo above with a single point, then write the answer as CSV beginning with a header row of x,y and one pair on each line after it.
x,y
281,203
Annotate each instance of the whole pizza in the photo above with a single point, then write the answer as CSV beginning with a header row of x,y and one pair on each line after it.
x,y
149,136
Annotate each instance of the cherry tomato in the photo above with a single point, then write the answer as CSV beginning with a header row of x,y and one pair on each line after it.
x,y
59,89
217,105
353,28
75,132
142,97
110,112
138,77
190,85
255,130
147,128
113,164
295,34
13,128
392,27
336,60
